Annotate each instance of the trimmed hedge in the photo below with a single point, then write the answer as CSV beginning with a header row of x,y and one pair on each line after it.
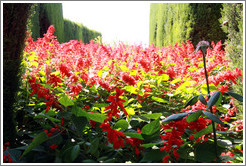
x,y
172,23
46,14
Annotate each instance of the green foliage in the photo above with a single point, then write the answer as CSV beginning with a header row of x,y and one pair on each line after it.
x,y
77,31
172,23
46,14
232,24
51,14
14,28
33,22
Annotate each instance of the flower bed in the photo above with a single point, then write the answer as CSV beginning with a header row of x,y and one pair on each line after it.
x,y
101,103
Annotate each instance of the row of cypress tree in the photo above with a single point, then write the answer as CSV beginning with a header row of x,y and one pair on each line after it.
x,y
46,14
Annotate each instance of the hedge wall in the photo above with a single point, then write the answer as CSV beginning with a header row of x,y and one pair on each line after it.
x,y
172,23
232,21
46,14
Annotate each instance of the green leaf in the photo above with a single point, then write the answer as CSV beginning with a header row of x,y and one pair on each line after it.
x,y
202,132
130,111
149,145
213,117
160,100
96,117
151,128
154,155
235,95
205,152
194,116
65,100
89,161
71,153
175,81
131,89
176,116
42,115
77,111
213,99
79,123
40,138
192,101
121,124
212,87
152,116
202,99
94,146
134,135
99,105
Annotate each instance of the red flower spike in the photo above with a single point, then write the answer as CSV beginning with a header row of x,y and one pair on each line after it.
x,y
62,121
54,146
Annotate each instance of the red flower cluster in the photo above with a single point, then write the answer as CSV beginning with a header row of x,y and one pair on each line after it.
x,y
113,136
116,102
6,158
135,143
126,78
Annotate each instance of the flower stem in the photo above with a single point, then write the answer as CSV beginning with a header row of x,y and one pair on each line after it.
x,y
213,125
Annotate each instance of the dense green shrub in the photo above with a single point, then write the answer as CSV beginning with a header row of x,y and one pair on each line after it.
x,y
46,14
33,23
51,14
207,25
232,21
172,23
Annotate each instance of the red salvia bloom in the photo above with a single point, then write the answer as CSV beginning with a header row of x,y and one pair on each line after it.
x,y
126,78
113,136
54,146
115,102
54,80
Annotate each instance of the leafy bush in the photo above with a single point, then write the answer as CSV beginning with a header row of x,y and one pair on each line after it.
x,y
101,104
172,23
232,24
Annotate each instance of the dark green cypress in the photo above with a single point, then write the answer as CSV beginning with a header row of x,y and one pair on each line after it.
x,y
15,16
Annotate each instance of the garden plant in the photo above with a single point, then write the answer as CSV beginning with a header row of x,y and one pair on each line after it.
x,y
82,103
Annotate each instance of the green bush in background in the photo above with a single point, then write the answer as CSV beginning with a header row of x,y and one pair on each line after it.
x,y
232,24
46,14
172,23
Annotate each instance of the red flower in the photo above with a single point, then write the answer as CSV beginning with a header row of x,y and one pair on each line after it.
x,y
113,136
126,78
54,146
115,102
54,80
165,159
135,143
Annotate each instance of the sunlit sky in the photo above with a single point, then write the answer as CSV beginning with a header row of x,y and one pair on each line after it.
x,y
124,21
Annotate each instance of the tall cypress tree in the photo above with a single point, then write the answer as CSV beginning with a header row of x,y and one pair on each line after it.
x,y
15,16
178,22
